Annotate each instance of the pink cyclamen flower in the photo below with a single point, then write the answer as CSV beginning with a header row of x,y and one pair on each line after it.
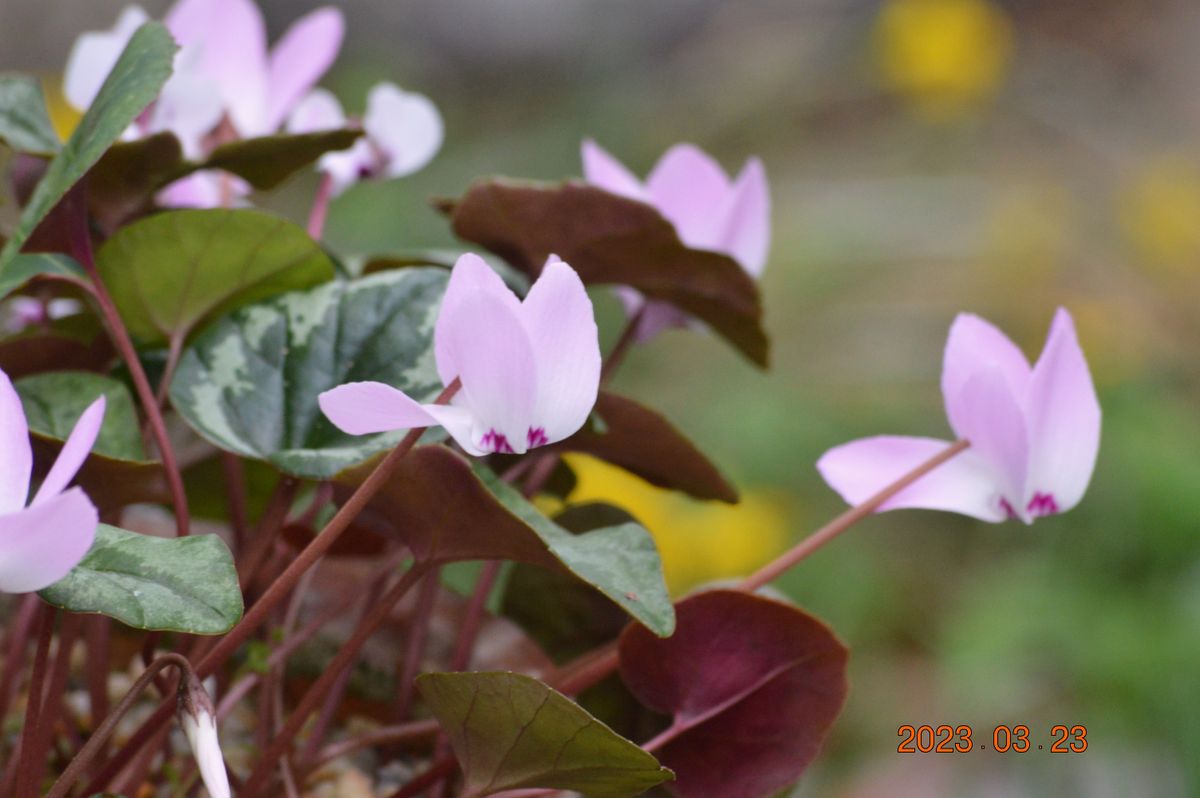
x,y
223,72
41,543
1034,432
402,132
708,210
530,370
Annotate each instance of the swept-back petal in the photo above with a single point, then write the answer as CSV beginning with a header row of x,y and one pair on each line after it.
x,y
974,345
747,234
1063,415
483,335
471,273
604,171
319,110
232,42
16,459
93,55
994,423
41,545
405,126
860,469
561,323
361,408
298,60
76,449
690,189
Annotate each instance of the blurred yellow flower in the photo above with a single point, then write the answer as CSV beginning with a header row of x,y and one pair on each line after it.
x,y
63,115
946,56
699,541
1159,212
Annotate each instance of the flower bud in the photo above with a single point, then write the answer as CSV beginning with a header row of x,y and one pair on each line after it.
x,y
198,718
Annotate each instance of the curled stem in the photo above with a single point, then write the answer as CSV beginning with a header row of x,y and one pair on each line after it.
x,y
96,742
277,592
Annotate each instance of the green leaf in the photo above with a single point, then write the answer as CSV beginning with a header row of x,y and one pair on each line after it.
x,y
133,83
267,161
23,268
446,510
250,382
170,272
24,123
579,619
621,561
55,400
115,473
511,731
162,584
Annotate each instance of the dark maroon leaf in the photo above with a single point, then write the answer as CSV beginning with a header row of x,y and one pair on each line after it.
x,y
611,240
49,350
123,183
445,511
752,685
644,443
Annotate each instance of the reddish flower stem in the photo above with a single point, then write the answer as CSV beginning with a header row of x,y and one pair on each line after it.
x,y
624,343
81,247
26,767
320,207
411,732
774,569
18,639
333,698
277,592
273,520
436,772
55,693
258,779
62,787
233,473
594,666
418,634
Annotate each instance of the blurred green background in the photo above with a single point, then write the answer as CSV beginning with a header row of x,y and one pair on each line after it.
x,y
925,157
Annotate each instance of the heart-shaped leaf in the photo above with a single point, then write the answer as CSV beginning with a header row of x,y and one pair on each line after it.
x,y
170,272
164,584
511,731
55,400
115,473
133,83
580,618
250,382
24,123
752,685
446,510
610,239
644,443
